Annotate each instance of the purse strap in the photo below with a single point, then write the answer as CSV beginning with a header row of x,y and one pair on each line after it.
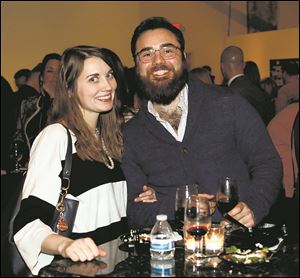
x,y
65,184
68,160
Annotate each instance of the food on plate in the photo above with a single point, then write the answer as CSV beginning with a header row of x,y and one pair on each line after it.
x,y
236,255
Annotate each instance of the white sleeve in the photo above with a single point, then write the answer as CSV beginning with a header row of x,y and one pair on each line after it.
x,y
47,152
42,181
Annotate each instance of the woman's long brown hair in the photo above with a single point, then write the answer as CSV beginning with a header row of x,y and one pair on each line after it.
x,y
66,105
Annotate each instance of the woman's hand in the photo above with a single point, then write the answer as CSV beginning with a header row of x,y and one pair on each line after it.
x,y
83,249
147,196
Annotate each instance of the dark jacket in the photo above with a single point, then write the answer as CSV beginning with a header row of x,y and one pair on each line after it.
x,y
257,97
32,118
7,122
224,137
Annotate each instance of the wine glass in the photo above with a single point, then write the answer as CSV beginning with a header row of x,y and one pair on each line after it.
x,y
197,222
182,193
227,196
17,156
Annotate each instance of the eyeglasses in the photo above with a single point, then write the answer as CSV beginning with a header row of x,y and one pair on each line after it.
x,y
167,52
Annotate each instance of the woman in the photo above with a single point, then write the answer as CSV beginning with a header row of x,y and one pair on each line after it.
x,y
87,102
36,103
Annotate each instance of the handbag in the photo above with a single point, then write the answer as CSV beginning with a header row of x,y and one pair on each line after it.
x,y
12,263
66,209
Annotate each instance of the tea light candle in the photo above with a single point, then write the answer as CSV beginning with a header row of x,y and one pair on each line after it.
x,y
214,242
214,239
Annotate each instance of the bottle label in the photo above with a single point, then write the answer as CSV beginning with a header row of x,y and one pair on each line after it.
x,y
162,271
162,244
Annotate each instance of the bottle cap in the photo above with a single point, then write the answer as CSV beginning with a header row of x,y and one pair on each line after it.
x,y
161,217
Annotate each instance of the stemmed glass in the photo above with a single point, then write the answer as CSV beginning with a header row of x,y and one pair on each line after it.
x,y
17,156
227,195
197,221
182,194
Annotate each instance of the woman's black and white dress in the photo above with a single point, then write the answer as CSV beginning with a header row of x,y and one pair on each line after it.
x,y
102,195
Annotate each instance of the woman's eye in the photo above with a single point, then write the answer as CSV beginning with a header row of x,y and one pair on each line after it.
x,y
110,75
93,79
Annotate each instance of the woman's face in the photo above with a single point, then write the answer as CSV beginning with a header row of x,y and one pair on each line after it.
x,y
50,76
96,86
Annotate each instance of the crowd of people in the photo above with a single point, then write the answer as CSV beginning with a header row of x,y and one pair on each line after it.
x,y
187,130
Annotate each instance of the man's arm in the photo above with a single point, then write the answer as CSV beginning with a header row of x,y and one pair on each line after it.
x,y
141,214
258,152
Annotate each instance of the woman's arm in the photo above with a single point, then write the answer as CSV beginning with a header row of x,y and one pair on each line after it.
x,y
82,249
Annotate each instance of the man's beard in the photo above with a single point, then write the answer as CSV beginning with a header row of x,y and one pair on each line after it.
x,y
164,91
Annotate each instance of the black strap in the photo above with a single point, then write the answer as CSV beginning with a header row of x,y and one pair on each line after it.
x,y
295,146
68,160
296,137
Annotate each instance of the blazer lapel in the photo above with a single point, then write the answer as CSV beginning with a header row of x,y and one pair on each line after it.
x,y
195,101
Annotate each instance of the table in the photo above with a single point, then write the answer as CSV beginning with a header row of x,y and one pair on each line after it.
x,y
122,261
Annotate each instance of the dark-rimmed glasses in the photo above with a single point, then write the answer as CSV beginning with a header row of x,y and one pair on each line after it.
x,y
166,51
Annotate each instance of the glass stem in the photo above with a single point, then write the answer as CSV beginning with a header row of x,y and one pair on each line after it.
x,y
198,251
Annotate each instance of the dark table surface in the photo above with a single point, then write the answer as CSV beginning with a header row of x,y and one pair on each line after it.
x,y
135,261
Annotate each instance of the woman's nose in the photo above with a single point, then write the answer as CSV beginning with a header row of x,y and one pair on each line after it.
x,y
105,84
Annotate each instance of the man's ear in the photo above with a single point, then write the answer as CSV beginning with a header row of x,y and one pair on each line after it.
x,y
184,55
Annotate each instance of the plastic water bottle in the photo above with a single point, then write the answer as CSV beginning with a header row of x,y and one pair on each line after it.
x,y
162,268
162,246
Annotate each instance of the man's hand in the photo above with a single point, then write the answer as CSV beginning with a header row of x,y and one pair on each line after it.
x,y
242,213
147,196
212,201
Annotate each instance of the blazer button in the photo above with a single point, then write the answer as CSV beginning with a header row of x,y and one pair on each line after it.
x,y
184,150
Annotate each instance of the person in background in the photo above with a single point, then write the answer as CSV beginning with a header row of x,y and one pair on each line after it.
x,y
132,102
232,66
252,72
7,123
269,86
202,74
21,77
31,87
35,102
49,74
282,129
212,77
189,133
289,92
87,103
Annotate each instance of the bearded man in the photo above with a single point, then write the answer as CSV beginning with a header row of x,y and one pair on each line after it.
x,y
191,133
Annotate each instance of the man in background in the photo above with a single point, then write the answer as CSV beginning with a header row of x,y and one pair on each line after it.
x,y
232,66
21,77
289,92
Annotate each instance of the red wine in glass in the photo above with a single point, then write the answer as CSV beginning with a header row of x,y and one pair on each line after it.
x,y
227,196
197,231
197,222
226,204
